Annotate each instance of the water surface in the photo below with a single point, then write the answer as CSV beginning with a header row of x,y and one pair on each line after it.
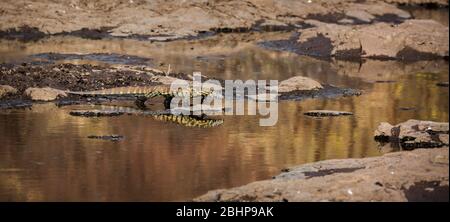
x,y
45,154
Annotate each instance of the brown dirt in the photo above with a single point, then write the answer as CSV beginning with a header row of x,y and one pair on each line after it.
x,y
70,76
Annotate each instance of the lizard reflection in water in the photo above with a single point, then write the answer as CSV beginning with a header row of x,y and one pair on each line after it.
x,y
189,121
201,121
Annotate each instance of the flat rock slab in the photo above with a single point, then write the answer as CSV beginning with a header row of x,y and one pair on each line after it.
x,y
442,84
95,113
108,137
327,92
414,134
320,113
15,104
419,175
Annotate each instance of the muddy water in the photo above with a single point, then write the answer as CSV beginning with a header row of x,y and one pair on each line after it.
x,y
45,153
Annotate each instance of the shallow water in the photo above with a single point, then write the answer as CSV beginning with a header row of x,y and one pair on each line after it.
x,y
45,153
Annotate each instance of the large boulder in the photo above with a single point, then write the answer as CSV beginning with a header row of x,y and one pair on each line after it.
x,y
410,40
44,94
419,175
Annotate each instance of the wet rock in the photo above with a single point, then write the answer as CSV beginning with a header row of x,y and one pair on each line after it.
x,y
414,133
14,104
442,84
419,2
328,91
391,177
320,113
298,83
44,94
108,137
111,58
411,40
443,138
405,108
95,113
361,15
272,25
7,90
384,131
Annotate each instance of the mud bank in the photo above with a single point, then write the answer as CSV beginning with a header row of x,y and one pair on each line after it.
x,y
169,20
419,175
84,77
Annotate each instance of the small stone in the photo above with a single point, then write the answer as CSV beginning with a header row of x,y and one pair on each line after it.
x,y
346,21
327,113
108,137
360,14
298,83
442,84
7,90
44,94
95,113
384,130
443,137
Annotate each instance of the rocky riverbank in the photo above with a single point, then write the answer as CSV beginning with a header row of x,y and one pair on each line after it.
x,y
167,20
22,83
419,175
411,40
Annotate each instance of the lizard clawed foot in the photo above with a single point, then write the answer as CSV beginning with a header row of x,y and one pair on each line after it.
x,y
140,103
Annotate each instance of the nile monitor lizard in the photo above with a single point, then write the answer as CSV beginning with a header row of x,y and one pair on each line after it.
x,y
145,92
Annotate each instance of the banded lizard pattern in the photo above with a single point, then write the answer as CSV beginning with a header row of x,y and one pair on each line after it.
x,y
146,92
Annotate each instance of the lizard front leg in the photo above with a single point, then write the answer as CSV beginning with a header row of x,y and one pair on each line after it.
x,y
167,101
140,102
